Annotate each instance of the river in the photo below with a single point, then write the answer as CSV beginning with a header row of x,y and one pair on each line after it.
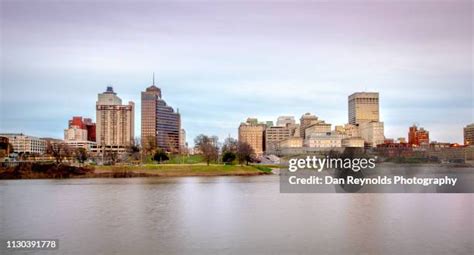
x,y
240,215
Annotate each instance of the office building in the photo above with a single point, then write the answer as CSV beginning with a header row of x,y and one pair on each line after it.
x,y
84,123
348,130
273,136
292,142
418,136
160,123
115,122
353,142
22,143
307,120
469,134
87,145
283,121
80,129
363,107
372,133
75,133
319,127
323,140
252,133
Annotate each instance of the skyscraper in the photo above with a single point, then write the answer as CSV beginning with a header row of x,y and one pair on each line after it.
x,y
161,125
363,107
115,122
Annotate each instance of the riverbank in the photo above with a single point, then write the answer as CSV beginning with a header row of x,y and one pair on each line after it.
x,y
52,171
177,170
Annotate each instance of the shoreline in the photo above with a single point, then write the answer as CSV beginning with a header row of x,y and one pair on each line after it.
x,y
51,171
37,171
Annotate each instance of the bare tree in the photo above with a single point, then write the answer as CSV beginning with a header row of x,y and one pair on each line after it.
x,y
230,145
245,152
59,151
111,157
208,147
149,145
81,155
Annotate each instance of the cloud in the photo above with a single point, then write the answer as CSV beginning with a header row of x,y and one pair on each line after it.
x,y
220,63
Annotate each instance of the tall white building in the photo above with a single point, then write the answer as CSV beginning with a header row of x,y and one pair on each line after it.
x,y
115,122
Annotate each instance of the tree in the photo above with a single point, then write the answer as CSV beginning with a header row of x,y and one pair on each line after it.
x,y
245,152
208,147
149,145
59,151
81,155
228,157
111,157
160,156
230,145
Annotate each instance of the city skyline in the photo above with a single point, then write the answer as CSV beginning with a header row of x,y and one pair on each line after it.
x,y
219,67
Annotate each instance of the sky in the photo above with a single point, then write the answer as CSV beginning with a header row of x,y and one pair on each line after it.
x,y
221,62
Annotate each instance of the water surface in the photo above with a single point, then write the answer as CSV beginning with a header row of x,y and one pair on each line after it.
x,y
240,215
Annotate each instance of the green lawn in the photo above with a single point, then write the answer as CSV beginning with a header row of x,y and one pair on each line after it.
x,y
186,169
191,159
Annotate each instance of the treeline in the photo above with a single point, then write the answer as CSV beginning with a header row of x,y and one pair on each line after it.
x,y
232,150
43,171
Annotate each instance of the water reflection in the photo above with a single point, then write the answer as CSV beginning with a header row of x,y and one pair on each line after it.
x,y
230,215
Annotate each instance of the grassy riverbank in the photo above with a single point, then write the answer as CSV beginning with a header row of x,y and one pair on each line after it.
x,y
52,171
176,170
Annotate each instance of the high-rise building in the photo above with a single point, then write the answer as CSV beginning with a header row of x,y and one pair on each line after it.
x,y
469,134
283,121
161,125
273,136
252,133
418,136
26,144
307,120
363,107
115,122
